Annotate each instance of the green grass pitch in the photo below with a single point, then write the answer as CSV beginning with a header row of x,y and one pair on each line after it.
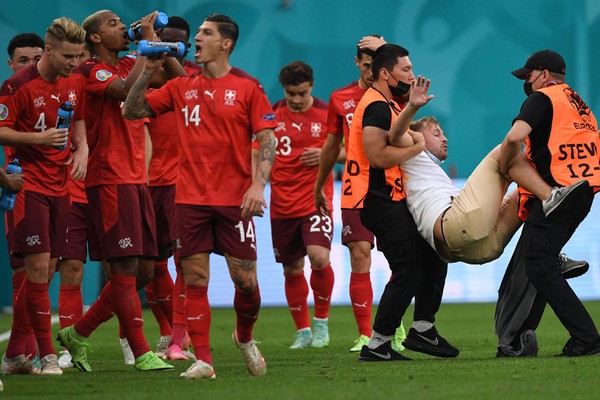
x,y
332,373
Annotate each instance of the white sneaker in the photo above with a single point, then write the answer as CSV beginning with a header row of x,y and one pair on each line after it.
x,y
320,334
19,365
1,386
163,345
65,360
127,353
199,370
254,360
50,365
303,339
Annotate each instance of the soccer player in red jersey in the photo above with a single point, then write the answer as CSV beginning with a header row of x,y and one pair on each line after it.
x,y
355,236
297,227
38,219
216,196
116,189
24,49
166,304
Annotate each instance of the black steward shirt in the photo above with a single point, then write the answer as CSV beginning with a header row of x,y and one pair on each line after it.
x,y
537,112
379,115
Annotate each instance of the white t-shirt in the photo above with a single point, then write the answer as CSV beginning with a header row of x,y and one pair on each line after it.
x,y
429,192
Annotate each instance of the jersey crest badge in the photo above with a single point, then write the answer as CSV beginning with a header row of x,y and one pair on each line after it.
x,y
230,97
315,129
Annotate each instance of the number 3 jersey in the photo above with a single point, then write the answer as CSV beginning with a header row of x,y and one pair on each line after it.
x,y
29,103
293,182
217,119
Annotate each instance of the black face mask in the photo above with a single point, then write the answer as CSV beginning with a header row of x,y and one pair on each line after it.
x,y
528,86
400,89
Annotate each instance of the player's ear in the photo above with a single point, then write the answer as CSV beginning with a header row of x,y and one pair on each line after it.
x,y
95,38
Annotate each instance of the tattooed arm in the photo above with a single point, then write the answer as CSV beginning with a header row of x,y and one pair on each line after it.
x,y
135,106
254,201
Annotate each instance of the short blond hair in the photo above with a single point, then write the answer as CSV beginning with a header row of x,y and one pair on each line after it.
x,y
420,124
65,29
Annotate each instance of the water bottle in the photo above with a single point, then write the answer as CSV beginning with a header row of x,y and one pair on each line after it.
x,y
63,120
135,33
155,49
7,200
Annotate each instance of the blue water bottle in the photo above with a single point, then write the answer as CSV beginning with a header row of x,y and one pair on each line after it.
x,y
7,200
135,33
63,120
155,49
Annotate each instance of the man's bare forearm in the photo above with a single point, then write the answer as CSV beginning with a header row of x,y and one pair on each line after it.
x,y
135,106
266,155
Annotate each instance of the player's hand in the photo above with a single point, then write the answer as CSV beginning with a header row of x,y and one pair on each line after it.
x,y
13,182
79,159
154,64
370,42
54,137
253,203
321,202
147,24
311,156
418,92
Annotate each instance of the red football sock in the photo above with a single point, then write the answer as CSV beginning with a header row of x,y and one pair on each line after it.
x,y
296,293
361,296
70,305
17,281
246,308
321,282
127,306
163,290
21,332
38,307
179,299
25,329
159,315
197,310
101,311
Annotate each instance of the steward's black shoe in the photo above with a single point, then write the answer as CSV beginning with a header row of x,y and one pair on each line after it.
x,y
429,342
381,353
576,348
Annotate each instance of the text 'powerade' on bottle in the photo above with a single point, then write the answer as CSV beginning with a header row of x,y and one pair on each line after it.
x,y
63,120
7,200
135,32
155,49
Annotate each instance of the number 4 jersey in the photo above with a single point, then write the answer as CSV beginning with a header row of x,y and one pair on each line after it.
x,y
29,103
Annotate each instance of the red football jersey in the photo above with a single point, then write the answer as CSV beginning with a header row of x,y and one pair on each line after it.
x,y
31,104
342,104
76,190
216,118
165,143
292,182
116,144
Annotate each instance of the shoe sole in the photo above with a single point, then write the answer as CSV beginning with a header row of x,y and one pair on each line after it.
x,y
373,359
572,189
436,352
